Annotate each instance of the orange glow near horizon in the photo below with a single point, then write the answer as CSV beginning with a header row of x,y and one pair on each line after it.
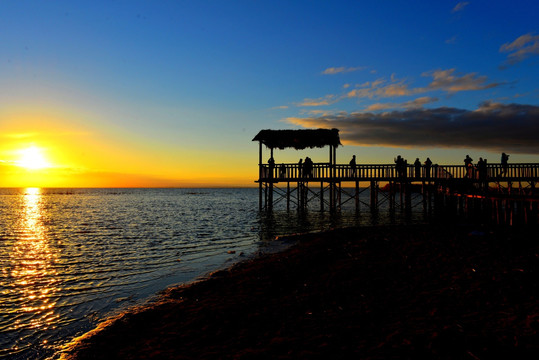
x,y
58,149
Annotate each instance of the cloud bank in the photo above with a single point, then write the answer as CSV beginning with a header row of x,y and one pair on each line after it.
x,y
491,127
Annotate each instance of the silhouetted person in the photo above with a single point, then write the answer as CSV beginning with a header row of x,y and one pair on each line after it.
x,y
468,166
482,171
399,165
300,167
308,167
505,165
271,164
353,166
417,166
428,164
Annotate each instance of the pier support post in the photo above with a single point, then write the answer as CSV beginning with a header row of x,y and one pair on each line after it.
x,y
270,196
288,196
321,196
339,195
374,195
408,196
260,195
357,195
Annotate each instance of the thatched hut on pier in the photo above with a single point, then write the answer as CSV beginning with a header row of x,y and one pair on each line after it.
x,y
299,140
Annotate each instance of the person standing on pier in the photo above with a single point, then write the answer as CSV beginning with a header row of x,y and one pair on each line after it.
x,y
482,171
353,166
271,164
468,166
505,165
417,166
300,167
428,164
308,167
399,164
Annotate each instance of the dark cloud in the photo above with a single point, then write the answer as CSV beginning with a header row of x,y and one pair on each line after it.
x,y
493,126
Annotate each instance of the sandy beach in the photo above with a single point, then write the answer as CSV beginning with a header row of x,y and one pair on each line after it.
x,y
372,293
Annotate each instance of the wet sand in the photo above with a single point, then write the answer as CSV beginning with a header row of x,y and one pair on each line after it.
x,y
371,293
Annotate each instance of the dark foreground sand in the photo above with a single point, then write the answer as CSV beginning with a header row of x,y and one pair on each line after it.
x,y
369,293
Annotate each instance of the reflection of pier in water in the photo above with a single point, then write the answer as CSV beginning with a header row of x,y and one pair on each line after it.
x,y
504,194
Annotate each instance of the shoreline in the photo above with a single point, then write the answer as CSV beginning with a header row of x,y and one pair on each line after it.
x,y
374,292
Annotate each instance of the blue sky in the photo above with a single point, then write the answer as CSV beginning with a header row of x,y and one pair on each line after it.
x,y
186,83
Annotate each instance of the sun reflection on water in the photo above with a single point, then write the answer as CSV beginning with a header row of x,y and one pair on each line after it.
x,y
33,273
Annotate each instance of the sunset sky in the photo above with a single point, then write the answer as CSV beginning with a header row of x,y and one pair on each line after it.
x,y
171,93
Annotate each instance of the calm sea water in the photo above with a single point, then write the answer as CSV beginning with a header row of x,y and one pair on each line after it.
x,y
71,257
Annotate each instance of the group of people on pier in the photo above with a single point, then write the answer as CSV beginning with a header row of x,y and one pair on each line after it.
x,y
479,171
401,166
305,168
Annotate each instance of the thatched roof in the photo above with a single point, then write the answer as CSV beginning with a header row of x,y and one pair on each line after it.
x,y
298,139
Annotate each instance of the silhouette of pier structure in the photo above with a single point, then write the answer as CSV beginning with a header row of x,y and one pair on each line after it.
x,y
503,191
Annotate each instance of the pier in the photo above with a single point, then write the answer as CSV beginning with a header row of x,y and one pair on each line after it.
x,y
506,193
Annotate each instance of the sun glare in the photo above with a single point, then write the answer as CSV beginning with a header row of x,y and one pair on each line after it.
x,y
32,158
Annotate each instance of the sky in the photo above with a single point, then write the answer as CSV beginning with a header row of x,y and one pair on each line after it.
x,y
171,93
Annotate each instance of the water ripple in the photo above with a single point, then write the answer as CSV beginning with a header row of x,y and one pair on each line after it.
x,y
69,257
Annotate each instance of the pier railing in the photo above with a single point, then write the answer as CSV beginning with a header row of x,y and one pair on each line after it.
x,y
388,172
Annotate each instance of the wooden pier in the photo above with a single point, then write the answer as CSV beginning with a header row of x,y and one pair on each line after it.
x,y
496,188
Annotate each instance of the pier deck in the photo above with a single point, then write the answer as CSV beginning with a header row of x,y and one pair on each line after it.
x,y
496,187
324,172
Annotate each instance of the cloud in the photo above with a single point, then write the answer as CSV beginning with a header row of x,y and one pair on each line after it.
x,y
417,103
522,48
460,6
317,112
380,89
342,69
491,127
326,100
446,80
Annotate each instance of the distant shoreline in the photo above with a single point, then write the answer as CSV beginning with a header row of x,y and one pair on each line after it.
x,y
372,291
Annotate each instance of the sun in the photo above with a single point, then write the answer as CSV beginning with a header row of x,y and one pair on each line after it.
x,y
32,158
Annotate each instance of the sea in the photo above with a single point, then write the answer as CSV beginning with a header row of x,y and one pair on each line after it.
x,y
70,258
